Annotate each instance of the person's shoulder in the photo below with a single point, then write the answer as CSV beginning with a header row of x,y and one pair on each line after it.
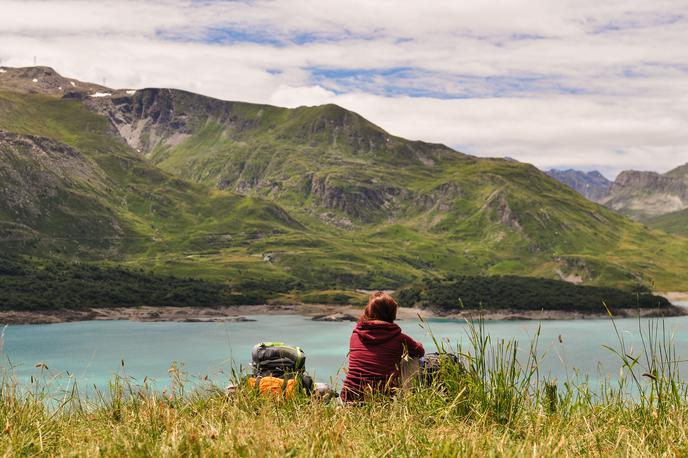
x,y
407,337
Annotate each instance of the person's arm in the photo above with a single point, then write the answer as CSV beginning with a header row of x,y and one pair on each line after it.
x,y
415,349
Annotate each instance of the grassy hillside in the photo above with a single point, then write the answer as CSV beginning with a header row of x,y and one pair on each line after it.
x,y
673,223
450,212
315,198
147,217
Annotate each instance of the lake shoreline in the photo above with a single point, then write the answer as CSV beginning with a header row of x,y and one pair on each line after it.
x,y
241,313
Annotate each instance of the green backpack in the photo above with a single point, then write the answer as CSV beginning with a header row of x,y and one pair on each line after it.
x,y
277,359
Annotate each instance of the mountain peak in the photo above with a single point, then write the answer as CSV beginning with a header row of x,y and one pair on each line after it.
x,y
45,80
648,194
593,185
597,174
679,172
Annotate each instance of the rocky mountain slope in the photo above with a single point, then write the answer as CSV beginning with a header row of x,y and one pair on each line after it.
x,y
592,185
49,188
649,194
325,159
313,198
69,185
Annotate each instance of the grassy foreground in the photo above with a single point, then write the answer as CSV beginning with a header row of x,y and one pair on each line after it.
x,y
490,406
421,425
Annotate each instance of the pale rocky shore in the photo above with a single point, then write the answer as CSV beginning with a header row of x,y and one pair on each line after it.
x,y
321,312
675,296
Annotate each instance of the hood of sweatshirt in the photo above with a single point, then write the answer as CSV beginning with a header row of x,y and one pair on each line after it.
x,y
376,332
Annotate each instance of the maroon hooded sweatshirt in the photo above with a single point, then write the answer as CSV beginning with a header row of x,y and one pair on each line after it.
x,y
375,350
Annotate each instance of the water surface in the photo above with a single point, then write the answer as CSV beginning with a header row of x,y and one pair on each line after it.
x,y
93,351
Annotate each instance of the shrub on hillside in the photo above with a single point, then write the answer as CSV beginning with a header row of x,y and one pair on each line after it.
x,y
521,293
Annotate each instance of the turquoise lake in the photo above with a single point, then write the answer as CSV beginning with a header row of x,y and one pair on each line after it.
x,y
92,352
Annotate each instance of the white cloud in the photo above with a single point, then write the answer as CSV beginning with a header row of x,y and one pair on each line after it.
x,y
292,97
585,84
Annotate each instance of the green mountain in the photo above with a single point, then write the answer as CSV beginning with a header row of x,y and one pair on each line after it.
x,y
673,223
290,200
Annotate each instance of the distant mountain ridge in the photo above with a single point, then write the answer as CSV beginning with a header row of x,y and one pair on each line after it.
x,y
291,200
592,185
644,195
660,200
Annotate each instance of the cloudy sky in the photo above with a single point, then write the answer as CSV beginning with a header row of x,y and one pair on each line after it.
x,y
587,84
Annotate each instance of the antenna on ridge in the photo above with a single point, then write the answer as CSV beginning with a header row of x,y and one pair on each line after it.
x,y
34,61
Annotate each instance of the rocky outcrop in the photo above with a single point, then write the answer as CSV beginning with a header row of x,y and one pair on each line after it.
x,y
630,179
146,119
439,199
498,205
335,317
212,319
357,200
573,270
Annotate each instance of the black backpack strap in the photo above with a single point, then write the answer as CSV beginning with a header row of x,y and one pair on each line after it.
x,y
285,383
307,383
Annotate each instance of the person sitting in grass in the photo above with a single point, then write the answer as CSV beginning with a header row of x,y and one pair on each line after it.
x,y
376,348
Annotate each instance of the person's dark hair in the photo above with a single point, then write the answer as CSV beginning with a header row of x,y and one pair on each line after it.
x,y
381,306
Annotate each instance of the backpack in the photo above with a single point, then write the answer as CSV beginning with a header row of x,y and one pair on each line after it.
x,y
273,386
279,369
277,359
431,363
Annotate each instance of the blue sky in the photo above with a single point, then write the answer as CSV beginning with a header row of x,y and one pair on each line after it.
x,y
585,84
